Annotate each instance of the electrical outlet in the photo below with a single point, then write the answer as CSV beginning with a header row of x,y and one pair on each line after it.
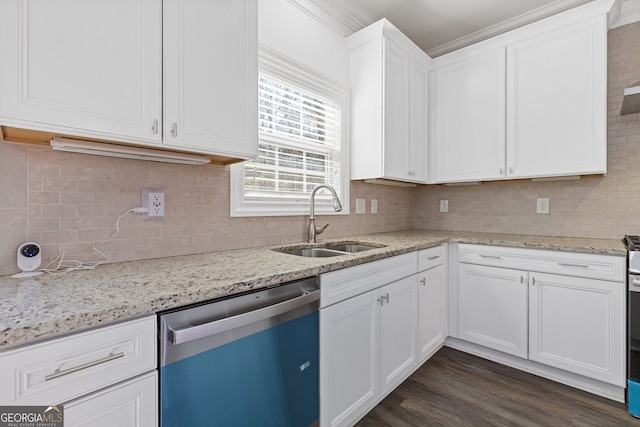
x,y
153,200
374,206
444,206
361,206
542,206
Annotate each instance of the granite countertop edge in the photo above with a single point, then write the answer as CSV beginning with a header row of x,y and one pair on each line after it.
x,y
51,305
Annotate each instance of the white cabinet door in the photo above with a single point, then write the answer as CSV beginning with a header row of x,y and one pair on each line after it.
x,y
129,404
470,118
493,307
398,321
349,359
578,325
557,102
389,106
405,116
432,311
418,122
84,68
210,92
396,111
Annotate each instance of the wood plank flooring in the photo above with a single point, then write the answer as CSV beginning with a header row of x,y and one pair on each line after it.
x,y
457,389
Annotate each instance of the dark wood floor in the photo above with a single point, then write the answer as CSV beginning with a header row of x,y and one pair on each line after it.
x,y
457,389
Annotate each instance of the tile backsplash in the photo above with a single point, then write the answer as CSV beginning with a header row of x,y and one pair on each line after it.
x,y
69,202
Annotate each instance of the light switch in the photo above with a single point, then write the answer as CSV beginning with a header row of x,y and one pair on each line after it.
x,y
374,206
444,206
361,207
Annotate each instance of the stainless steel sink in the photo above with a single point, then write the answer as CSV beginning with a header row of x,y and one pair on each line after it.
x,y
312,252
351,247
328,250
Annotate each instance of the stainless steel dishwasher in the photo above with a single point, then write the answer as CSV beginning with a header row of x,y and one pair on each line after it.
x,y
249,360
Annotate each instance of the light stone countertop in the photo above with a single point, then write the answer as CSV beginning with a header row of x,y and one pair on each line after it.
x,y
49,305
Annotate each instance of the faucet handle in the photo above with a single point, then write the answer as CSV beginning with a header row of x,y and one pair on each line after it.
x,y
319,230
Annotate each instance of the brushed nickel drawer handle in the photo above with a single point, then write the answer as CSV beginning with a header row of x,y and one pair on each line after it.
x,y
431,258
58,373
566,264
489,256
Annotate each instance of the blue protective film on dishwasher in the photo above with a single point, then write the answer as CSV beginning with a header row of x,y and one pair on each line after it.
x,y
270,378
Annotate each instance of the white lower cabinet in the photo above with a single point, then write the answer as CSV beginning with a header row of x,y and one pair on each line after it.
x,y
368,346
349,362
132,403
103,377
563,310
378,322
577,325
493,308
433,301
398,321
368,335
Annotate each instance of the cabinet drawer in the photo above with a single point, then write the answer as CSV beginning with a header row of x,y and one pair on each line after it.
x,y
132,404
349,282
595,266
61,369
432,257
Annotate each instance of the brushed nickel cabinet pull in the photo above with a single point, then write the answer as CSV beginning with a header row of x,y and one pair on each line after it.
x,y
58,373
489,256
568,264
423,281
382,298
431,258
174,129
154,126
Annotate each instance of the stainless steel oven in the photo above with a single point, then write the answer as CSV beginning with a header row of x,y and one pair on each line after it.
x,y
633,324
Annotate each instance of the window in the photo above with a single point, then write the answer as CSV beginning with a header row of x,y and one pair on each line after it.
x,y
302,119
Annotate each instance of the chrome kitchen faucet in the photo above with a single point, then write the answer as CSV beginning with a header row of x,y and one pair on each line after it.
x,y
313,230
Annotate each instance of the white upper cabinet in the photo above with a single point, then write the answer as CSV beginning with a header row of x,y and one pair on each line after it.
x,y
110,70
469,132
90,68
389,116
211,78
526,104
557,97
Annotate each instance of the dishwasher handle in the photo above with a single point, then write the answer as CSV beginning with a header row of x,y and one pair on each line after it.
x,y
181,336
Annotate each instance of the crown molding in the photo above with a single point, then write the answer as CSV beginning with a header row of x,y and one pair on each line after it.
x,y
338,15
345,18
508,25
624,12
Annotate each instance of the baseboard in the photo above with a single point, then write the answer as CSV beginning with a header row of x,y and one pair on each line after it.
x,y
599,388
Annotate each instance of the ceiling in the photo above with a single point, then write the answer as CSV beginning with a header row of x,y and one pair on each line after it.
x,y
436,26
432,23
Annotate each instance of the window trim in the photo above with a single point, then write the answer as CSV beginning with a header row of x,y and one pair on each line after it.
x,y
287,69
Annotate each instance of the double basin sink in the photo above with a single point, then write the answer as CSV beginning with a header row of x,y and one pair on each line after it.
x,y
329,249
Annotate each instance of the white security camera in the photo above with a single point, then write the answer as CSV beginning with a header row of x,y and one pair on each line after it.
x,y
29,258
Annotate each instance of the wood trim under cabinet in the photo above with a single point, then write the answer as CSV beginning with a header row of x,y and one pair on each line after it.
x,y
37,137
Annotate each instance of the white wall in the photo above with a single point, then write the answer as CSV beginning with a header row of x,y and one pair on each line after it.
x,y
291,32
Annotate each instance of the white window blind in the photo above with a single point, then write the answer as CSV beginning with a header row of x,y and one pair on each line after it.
x,y
302,142
299,142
